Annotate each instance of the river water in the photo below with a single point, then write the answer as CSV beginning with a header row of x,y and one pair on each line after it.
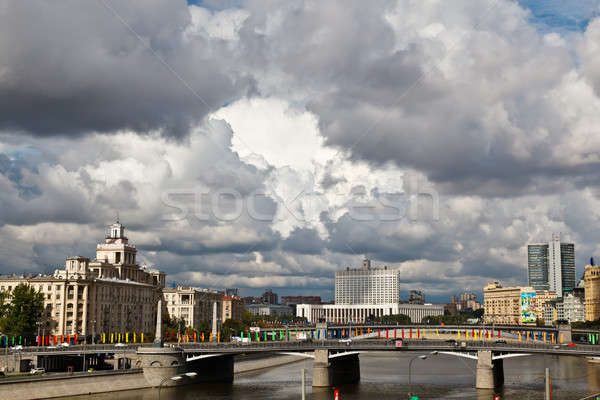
x,y
385,376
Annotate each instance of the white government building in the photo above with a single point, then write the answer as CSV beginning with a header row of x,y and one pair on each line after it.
x,y
361,294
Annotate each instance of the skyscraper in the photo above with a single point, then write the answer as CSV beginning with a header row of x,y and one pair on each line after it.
x,y
552,266
367,285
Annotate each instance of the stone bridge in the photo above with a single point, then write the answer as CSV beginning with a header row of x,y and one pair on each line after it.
x,y
335,361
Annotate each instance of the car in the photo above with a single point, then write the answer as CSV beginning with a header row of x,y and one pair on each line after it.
x,y
451,341
17,347
120,345
347,341
500,341
52,347
38,370
65,344
571,345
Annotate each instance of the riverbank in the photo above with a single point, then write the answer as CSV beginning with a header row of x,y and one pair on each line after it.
x,y
83,384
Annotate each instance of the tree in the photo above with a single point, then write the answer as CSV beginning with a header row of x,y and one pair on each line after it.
x,y
392,319
21,315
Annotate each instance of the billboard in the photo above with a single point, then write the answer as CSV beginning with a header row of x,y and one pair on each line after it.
x,y
528,308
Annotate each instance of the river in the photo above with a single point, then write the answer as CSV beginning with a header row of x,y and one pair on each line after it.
x,y
385,376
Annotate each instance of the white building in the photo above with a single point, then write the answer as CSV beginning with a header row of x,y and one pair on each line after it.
x,y
359,313
367,285
194,305
570,308
268,309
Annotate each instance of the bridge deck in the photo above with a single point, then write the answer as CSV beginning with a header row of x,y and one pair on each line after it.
x,y
336,345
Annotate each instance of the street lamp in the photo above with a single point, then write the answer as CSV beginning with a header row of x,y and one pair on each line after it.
x,y
176,378
422,357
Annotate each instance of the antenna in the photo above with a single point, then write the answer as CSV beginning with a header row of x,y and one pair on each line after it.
x,y
117,216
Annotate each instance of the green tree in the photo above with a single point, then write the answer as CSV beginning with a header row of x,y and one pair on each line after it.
x,y
24,310
392,319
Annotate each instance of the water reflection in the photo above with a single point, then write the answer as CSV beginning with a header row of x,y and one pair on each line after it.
x,y
384,376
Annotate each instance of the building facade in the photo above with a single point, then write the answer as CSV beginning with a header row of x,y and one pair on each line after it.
x,y
361,313
112,293
367,285
551,266
591,281
416,297
514,305
268,297
569,308
194,305
233,307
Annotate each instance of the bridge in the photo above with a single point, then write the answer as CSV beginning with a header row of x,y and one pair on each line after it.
x,y
335,361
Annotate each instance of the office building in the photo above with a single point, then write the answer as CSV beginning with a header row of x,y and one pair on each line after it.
x,y
551,266
514,305
367,285
268,297
194,305
416,297
112,293
591,279
232,292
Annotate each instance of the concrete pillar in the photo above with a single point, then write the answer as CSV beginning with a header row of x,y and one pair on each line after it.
x,y
321,328
490,373
565,331
335,371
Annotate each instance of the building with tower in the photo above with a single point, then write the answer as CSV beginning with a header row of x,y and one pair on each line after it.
x,y
110,293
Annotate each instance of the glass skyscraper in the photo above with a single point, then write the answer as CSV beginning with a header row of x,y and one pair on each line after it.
x,y
551,266
537,260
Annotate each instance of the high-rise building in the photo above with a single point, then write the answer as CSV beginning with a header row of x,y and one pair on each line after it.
x,y
268,297
551,266
367,285
416,297
366,294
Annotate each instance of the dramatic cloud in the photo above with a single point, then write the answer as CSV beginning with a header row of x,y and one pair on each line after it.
x,y
268,144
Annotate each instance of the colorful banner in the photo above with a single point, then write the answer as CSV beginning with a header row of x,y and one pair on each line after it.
x,y
528,308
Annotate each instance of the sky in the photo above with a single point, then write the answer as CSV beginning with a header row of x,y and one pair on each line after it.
x,y
267,144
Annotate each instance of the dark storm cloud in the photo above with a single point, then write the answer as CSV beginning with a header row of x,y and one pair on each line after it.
x,y
72,67
303,241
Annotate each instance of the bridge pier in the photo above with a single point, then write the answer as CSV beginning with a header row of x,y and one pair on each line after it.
x,y
335,371
490,373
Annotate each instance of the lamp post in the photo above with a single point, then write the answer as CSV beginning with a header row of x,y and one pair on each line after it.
x,y
190,375
422,357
